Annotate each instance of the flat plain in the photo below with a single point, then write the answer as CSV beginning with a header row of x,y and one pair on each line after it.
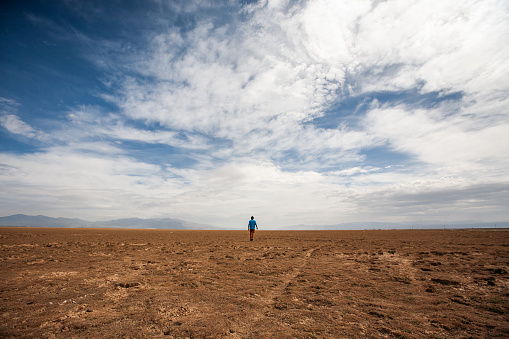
x,y
111,283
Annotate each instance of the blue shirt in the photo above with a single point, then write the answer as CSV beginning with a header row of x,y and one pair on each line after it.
x,y
252,224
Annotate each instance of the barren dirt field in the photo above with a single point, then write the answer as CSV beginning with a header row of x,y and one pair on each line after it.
x,y
106,283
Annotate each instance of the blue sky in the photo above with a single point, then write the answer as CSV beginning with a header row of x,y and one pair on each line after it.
x,y
296,112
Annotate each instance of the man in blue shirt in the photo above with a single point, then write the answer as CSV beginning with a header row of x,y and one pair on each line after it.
x,y
251,225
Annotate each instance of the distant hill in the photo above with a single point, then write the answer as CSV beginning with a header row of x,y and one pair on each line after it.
x,y
169,223
396,226
44,221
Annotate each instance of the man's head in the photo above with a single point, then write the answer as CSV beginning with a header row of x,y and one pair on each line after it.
x,y
252,218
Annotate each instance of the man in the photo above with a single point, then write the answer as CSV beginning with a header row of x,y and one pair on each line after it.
x,y
251,225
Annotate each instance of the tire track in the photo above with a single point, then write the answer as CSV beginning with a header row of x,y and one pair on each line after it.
x,y
290,276
269,300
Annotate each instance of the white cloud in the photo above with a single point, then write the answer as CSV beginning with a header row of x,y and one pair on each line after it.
x,y
256,82
73,181
254,88
355,170
440,141
90,122
6,102
15,125
447,45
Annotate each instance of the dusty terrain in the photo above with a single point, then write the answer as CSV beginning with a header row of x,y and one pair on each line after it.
x,y
90,283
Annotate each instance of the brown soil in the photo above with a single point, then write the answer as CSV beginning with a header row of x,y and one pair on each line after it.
x,y
89,283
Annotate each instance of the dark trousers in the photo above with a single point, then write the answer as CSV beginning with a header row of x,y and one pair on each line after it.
x,y
251,234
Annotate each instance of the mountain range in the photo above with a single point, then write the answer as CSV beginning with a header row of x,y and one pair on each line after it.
x,y
169,223
44,221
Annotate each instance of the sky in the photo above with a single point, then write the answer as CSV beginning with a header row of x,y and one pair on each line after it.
x,y
296,112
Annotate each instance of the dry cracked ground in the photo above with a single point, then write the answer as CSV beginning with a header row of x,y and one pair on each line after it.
x,y
107,283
